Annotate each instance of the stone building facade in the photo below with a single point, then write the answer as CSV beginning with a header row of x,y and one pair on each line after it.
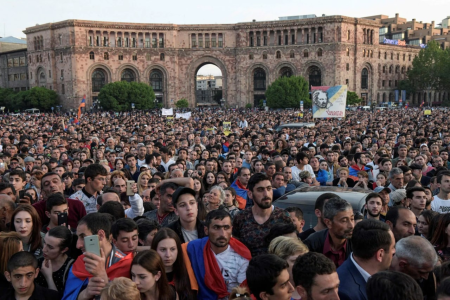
x,y
77,58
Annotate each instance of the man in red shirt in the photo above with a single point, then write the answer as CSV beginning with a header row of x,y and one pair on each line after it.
x,y
51,183
333,241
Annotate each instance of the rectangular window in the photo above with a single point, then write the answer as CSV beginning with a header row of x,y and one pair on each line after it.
x,y
200,42
265,40
147,43
16,62
31,75
346,81
127,42
279,40
63,90
10,63
154,42
347,67
133,42
390,83
120,56
49,74
220,40
307,38
213,42
293,39
91,42
383,82
207,43
134,56
161,41
105,41
286,39
11,77
119,42
23,76
258,41
97,42
251,42
16,77
22,61
194,41
395,83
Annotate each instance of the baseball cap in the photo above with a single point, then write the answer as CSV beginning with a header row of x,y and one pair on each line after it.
x,y
181,191
381,188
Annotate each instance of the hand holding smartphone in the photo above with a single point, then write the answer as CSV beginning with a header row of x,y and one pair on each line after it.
x,y
92,244
62,219
130,187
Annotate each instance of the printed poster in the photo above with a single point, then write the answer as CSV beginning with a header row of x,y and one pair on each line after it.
x,y
226,128
329,102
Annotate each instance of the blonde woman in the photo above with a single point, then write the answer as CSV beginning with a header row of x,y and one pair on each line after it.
x,y
142,182
288,249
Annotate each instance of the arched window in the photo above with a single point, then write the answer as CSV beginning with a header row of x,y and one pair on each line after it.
x,y
305,53
397,69
364,79
384,97
91,55
292,54
403,70
348,35
42,79
392,56
319,52
98,80
364,53
391,69
286,72
259,79
156,80
128,75
315,76
278,54
385,55
106,56
347,51
384,69
162,56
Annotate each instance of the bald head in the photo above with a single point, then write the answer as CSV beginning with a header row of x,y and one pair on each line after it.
x,y
120,185
110,197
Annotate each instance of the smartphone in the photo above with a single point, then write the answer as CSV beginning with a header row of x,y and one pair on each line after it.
x,y
129,188
21,194
91,244
62,219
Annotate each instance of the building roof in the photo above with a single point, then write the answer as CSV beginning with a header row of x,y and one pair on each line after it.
x,y
13,40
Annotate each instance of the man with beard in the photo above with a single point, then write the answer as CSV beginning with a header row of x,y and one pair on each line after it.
x,y
165,214
218,260
402,222
333,241
251,225
374,203
373,248
418,199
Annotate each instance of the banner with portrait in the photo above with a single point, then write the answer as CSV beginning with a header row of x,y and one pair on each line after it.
x,y
329,102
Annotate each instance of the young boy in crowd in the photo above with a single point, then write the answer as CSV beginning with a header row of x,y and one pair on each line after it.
x,y
21,271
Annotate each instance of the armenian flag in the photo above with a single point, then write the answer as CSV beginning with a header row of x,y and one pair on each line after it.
x,y
82,104
423,102
406,105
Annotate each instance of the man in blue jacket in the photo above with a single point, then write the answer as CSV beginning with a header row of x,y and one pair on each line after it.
x,y
373,248
321,175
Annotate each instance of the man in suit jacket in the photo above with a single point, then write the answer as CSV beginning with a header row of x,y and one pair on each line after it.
x,y
373,248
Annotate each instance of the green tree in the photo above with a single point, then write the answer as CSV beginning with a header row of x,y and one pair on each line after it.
x,y
430,70
352,98
248,105
37,97
119,95
182,103
286,92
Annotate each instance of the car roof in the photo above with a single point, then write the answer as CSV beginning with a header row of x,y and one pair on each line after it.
x,y
308,195
296,125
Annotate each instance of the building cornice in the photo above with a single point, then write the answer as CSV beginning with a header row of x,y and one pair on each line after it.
x,y
123,26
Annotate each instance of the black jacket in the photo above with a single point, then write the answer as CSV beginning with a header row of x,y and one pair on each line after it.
x,y
39,293
316,241
176,226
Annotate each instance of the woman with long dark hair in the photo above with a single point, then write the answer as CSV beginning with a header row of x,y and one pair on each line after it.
x,y
168,245
55,265
25,221
147,271
441,237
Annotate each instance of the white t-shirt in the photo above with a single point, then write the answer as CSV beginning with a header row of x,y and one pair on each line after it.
x,y
296,172
232,266
440,205
141,162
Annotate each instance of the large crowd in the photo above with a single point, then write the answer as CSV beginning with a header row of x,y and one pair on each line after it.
x,y
137,205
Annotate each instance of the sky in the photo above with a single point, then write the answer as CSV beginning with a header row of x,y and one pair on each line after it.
x,y
16,15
